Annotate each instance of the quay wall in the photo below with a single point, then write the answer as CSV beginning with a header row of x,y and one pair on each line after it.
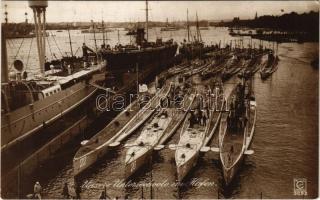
x,y
28,166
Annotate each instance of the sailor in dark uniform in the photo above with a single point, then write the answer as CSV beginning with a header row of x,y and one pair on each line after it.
x,y
65,191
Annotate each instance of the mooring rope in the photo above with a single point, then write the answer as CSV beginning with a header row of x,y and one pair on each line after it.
x,y
57,46
17,53
19,49
49,47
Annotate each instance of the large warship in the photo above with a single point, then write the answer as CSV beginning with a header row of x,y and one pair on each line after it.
x,y
30,104
145,54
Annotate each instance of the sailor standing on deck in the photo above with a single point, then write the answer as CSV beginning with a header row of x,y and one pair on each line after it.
x,y
37,190
205,117
77,190
65,191
103,195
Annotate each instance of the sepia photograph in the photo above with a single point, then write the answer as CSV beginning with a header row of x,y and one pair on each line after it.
x,y
159,99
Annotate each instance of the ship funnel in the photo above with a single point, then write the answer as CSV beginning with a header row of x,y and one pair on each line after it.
x,y
39,15
140,40
38,4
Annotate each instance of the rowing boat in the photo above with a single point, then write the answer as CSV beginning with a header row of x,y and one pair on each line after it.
x,y
237,129
161,127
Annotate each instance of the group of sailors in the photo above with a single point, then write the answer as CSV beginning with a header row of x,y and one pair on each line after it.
x,y
67,64
175,97
198,117
67,192
235,119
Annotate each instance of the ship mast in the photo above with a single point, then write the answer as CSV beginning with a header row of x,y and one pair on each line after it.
x,y
103,31
147,9
39,14
188,27
70,42
198,30
4,63
94,35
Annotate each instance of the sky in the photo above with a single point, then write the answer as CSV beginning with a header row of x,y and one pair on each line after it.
x,y
119,11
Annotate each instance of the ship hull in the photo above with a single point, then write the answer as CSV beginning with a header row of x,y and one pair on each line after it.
x,y
83,163
184,169
229,173
25,121
235,142
195,51
27,144
132,167
149,57
269,68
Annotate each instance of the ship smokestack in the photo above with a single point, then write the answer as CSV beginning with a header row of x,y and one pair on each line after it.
x,y
147,19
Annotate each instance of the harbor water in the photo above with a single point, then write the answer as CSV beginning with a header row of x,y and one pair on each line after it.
x,y
285,143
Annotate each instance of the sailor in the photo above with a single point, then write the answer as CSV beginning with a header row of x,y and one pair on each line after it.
x,y
103,195
24,75
85,50
102,49
103,46
69,70
65,191
77,190
200,115
192,119
63,65
195,116
204,118
37,190
52,68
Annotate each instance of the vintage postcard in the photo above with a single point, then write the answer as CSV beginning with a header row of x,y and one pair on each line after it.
x,y
159,99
